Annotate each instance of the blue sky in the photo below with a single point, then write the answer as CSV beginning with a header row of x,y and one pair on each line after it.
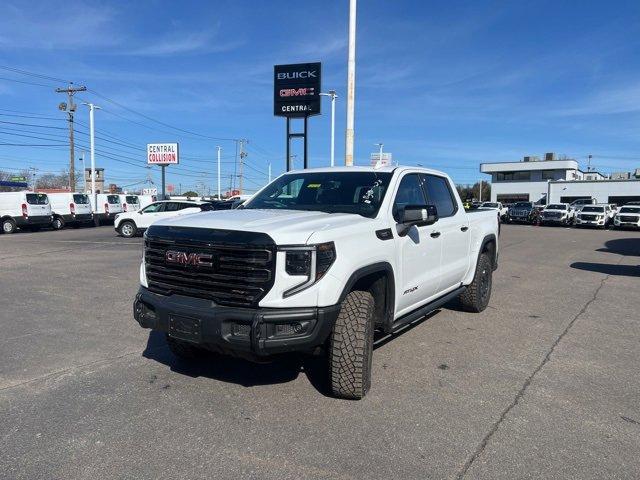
x,y
445,84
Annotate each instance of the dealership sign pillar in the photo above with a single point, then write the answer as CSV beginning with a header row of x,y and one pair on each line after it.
x,y
297,90
162,154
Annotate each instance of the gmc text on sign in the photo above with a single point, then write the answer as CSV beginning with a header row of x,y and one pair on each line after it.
x,y
297,89
162,154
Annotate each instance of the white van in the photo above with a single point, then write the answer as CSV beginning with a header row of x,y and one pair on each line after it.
x,y
130,203
144,200
70,209
24,210
107,207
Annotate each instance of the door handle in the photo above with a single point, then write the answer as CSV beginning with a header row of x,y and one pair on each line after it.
x,y
464,229
435,234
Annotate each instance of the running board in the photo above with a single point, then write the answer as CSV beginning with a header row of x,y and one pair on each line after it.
x,y
425,310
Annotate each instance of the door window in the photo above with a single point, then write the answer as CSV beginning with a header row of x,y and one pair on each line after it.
x,y
410,192
175,206
153,208
440,195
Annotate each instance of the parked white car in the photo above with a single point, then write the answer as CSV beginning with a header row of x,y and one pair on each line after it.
x,y
581,202
628,216
70,209
129,224
502,210
557,213
594,216
130,203
107,207
24,210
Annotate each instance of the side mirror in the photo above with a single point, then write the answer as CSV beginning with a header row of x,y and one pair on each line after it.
x,y
418,215
140,212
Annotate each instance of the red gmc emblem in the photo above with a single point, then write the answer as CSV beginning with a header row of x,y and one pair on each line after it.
x,y
184,258
297,92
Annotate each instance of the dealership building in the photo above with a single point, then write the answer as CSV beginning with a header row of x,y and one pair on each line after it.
x,y
561,180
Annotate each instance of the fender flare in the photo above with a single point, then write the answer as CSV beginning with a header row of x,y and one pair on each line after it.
x,y
489,238
390,295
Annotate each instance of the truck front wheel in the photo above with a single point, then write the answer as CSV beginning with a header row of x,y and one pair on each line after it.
x,y
476,297
351,348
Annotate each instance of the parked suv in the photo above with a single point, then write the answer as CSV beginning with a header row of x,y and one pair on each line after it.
x,y
501,209
581,202
315,262
523,212
557,213
628,216
594,216
106,208
24,210
129,224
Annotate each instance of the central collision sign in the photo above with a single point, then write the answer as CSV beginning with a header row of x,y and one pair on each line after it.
x,y
297,89
162,154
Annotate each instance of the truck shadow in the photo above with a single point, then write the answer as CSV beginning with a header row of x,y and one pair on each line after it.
x,y
608,268
622,246
282,369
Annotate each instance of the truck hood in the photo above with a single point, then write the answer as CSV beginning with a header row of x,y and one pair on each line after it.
x,y
285,227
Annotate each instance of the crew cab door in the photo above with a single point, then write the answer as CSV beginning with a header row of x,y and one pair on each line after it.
x,y
453,227
418,252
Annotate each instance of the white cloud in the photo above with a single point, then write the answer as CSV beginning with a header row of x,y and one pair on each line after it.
x,y
181,43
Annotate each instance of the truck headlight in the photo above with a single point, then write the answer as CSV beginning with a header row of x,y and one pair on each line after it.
x,y
310,261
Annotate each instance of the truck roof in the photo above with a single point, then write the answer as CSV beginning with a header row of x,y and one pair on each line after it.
x,y
387,168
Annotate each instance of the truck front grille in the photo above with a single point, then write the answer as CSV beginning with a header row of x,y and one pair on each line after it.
x,y
588,217
624,218
237,274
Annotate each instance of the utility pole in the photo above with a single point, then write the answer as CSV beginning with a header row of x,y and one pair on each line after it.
x,y
351,85
589,162
70,108
333,95
219,150
480,191
242,155
92,107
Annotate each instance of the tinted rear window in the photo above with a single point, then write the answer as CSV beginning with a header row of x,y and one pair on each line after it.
x,y
81,199
37,199
131,199
113,199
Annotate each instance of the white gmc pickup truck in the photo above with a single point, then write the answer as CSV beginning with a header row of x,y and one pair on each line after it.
x,y
315,262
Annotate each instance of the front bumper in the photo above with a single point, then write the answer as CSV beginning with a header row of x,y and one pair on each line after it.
x,y
618,223
246,332
595,223
555,219
34,220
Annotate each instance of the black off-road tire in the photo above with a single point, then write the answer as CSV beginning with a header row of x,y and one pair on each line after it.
x,y
9,226
185,350
477,295
351,347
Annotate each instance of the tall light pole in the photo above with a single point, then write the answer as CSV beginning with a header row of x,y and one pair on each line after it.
x,y
333,95
219,149
269,172
92,144
380,145
351,85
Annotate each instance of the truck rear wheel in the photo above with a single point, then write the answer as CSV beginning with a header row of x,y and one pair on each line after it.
x,y
184,350
351,348
476,297
58,223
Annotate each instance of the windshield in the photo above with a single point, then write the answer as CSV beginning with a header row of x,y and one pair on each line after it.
x,y
81,199
37,199
360,193
113,199
490,205
593,209
630,210
131,199
522,205
556,207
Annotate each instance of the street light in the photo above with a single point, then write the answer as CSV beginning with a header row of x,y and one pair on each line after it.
x,y
333,95
92,107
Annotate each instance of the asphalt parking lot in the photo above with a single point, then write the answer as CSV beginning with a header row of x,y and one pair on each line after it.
x,y
543,384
